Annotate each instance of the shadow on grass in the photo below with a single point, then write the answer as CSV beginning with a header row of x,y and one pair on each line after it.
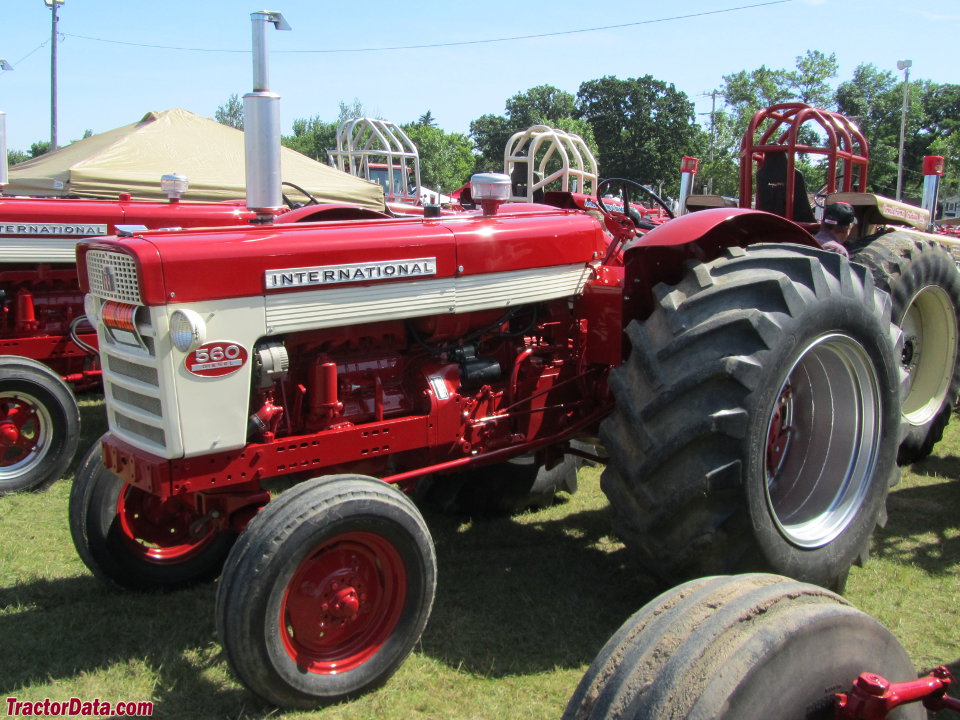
x,y
918,529
518,598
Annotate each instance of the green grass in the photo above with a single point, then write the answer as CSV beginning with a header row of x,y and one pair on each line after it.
x,y
523,605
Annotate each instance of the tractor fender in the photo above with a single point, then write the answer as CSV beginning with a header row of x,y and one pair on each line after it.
x,y
661,254
724,227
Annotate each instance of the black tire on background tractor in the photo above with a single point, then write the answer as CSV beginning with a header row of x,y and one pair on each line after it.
x,y
754,419
39,425
327,591
745,647
924,284
133,540
501,489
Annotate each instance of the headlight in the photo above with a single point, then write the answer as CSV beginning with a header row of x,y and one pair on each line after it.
x,y
187,330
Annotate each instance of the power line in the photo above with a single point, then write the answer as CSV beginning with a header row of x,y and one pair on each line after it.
x,y
451,44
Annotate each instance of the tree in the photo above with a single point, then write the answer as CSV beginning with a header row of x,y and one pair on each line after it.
x,y
314,136
427,119
642,127
230,113
446,159
16,156
41,147
541,105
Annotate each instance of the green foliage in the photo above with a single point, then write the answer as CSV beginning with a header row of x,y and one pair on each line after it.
x,y
541,105
642,127
16,156
446,159
230,113
312,137
41,147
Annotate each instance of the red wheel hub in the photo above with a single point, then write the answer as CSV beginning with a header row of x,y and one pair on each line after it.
x,y
19,430
161,531
343,602
778,434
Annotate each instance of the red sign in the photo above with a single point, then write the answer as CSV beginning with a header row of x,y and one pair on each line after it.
x,y
216,359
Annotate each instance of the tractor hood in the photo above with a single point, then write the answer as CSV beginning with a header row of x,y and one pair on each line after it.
x,y
210,264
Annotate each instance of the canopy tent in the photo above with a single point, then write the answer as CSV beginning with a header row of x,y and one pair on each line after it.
x,y
132,159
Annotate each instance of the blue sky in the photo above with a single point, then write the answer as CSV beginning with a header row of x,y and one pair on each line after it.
x,y
105,84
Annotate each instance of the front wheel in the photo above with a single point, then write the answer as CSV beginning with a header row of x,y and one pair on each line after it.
x,y
327,591
745,647
134,540
39,425
924,284
756,419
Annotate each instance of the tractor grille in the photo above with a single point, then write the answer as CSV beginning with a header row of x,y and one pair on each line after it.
x,y
113,276
133,389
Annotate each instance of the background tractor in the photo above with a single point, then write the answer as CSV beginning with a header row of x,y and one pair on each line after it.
x,y
917,267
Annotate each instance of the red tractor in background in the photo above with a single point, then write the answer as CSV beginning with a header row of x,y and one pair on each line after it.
x,y
744,384
917,267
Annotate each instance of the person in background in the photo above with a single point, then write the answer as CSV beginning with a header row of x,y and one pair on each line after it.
x,y
838,220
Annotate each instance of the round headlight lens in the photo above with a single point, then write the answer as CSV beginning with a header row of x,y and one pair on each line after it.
x,y
187,330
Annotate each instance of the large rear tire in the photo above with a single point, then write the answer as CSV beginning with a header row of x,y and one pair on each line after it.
x,y
756,419
924,284
745,647
39,425
327,591
133,540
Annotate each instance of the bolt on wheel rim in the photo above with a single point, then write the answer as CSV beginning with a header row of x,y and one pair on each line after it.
x,y
343,603
930,353
26,429
823,436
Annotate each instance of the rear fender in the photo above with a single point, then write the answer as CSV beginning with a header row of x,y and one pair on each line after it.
x,y
661,254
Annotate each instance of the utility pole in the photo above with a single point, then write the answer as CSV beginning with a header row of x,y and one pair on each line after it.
x,y
905,66
53,4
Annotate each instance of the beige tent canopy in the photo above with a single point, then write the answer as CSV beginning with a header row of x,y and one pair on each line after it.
x,y
133,157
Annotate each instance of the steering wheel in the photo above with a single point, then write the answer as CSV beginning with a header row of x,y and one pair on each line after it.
x,y
625,184
292,205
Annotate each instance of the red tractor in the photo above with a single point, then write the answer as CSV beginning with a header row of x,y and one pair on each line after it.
x,y
743,382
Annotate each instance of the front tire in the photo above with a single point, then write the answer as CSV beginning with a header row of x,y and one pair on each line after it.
x,y
326,592
734,648
756,419
133,540
39,425
924,284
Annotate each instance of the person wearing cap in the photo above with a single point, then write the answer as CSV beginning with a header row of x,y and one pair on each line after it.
x,y
838,220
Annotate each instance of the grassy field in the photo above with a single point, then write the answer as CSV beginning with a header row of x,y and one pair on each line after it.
x,y
522,607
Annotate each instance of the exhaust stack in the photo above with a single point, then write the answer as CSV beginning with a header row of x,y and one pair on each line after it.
x,y
261,125
932,171
688,169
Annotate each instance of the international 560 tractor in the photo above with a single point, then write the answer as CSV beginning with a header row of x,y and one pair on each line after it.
x,y
744,384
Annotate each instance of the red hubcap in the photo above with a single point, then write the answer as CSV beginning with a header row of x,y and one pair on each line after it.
x,y
161,531
778,437
19,430
343,603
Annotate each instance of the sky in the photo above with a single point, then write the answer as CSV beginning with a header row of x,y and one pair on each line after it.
x,y
118,60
